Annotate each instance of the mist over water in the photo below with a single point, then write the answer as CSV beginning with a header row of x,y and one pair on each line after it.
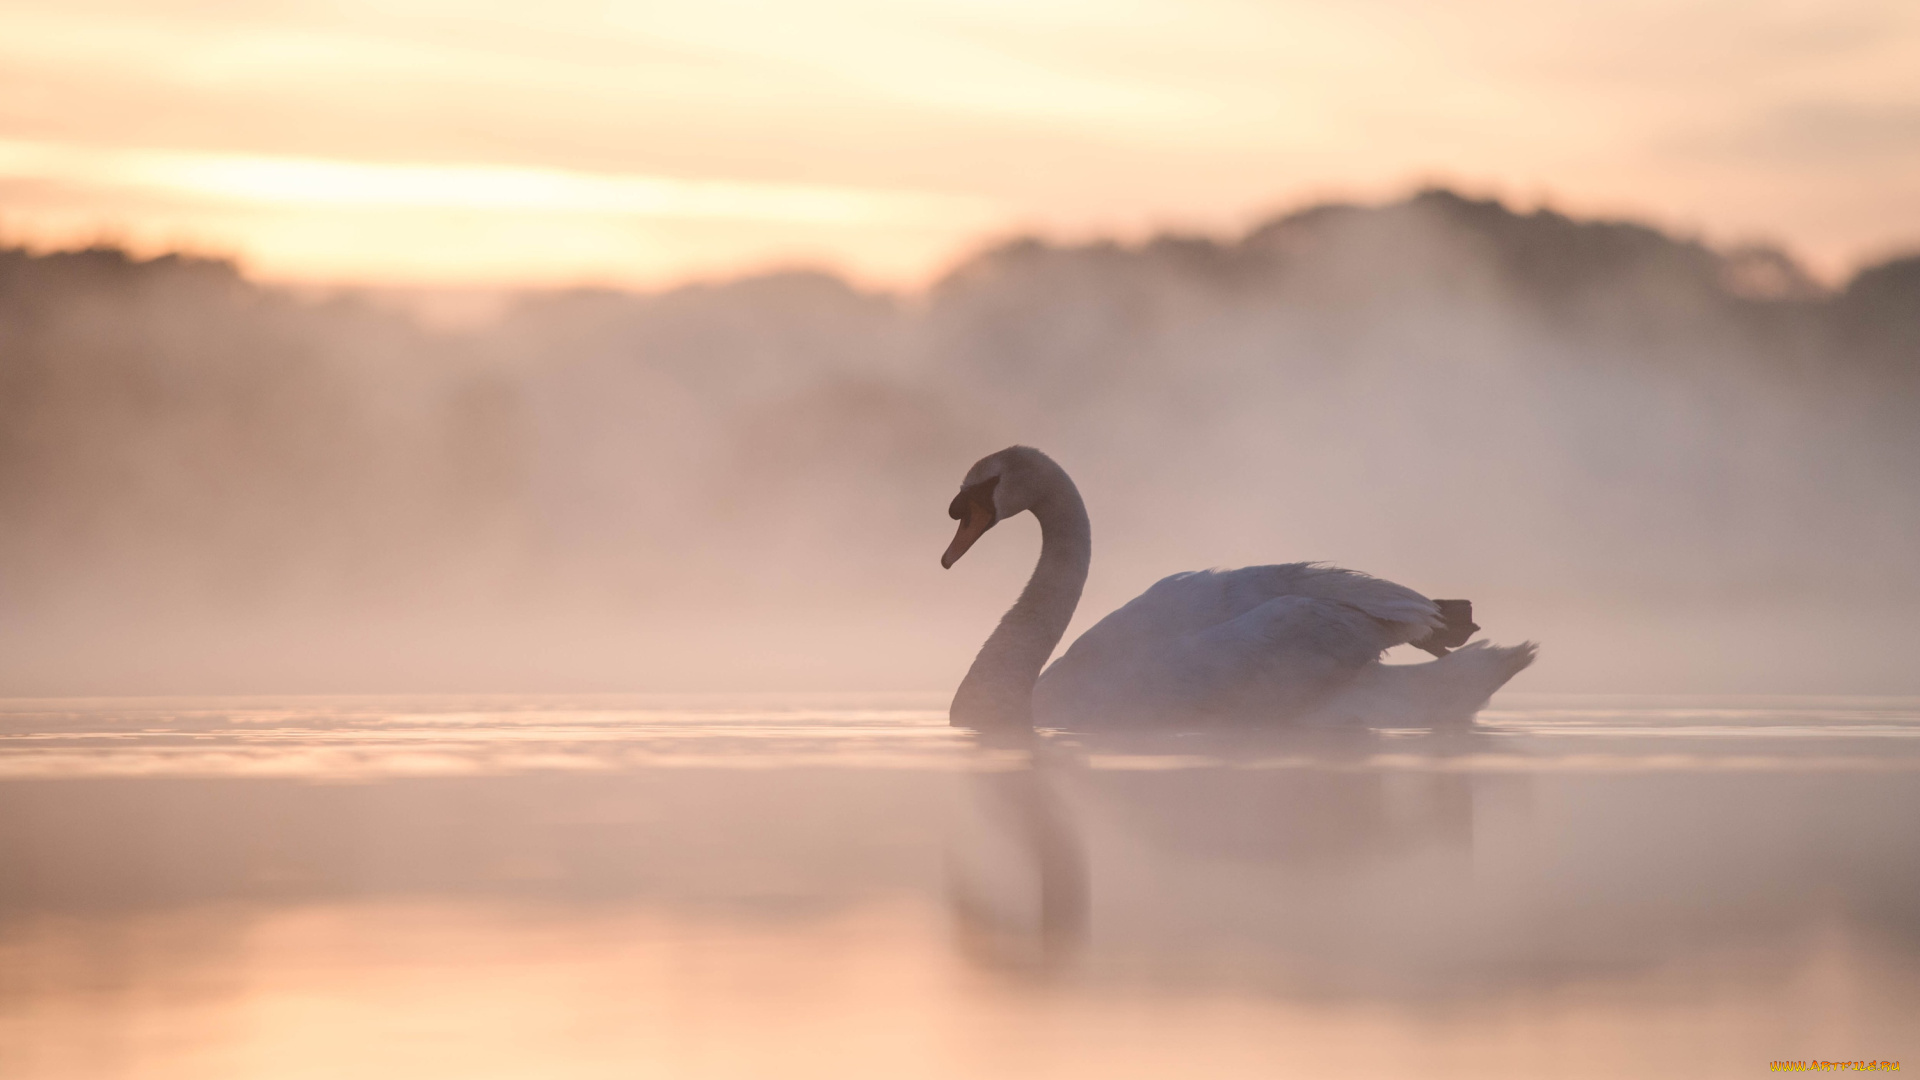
x,y
1681,469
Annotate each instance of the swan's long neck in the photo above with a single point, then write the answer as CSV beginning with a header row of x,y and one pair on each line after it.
x,y
998,690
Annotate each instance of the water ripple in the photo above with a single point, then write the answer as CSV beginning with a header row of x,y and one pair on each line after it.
x,y
369,738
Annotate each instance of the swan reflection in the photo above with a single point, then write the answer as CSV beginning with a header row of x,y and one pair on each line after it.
x,y
1065,837
1017,864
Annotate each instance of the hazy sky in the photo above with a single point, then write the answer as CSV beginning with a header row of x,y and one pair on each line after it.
x,y
633,141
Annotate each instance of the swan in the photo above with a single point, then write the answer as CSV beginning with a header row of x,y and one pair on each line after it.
x,y
1297,643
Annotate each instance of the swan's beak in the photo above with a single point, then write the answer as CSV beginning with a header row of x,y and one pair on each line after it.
x,y
973,509
973,528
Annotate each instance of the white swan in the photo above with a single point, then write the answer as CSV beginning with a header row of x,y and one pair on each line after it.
x,y
1295,643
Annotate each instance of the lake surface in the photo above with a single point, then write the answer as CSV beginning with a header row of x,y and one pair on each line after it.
x,y
843,886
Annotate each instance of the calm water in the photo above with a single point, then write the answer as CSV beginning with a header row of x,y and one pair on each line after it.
x,y
845,887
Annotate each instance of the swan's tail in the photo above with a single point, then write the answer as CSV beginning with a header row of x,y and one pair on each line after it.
x,y
1464,680
1439,693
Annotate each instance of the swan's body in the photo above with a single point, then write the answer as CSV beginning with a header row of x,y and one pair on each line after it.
x,y
1294,643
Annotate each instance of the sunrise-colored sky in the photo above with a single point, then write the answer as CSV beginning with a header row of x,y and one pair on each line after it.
x,y
641,142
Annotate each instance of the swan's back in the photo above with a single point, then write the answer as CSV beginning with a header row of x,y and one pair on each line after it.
x,y
1203,598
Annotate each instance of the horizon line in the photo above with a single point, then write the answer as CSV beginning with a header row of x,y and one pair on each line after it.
x,y
986,243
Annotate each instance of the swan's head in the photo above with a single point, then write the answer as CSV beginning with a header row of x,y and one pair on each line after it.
x,y
999,486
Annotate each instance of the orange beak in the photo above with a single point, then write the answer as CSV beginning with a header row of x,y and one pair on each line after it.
x,y
975,525
973,509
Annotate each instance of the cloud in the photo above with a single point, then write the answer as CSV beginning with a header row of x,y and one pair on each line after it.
x,y
324,183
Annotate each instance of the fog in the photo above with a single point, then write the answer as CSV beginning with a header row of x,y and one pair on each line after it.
x,y
1679,468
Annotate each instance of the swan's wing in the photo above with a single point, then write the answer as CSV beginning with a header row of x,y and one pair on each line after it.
x,y
1188,603
1277,659
1409,615
1266,639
